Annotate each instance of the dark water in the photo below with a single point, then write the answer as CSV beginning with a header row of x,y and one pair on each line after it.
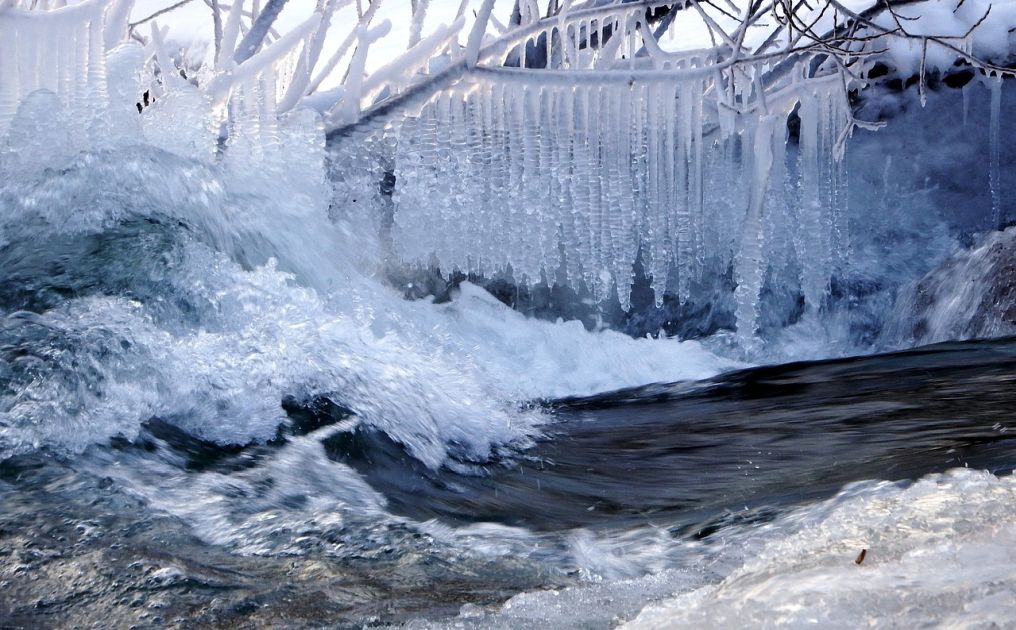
x,y
82,543
766,437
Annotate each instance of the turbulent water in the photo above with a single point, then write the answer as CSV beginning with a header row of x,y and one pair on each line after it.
x,y
610,509
205,423
214,412
179,339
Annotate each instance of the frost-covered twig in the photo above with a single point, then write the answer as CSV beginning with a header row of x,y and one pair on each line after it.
x,y
258,30
329,67
159,13
216,26
476,34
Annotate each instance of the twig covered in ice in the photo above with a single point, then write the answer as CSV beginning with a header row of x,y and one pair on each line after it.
x,y
258,31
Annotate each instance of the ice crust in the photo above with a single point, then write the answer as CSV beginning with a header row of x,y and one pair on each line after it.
x,y
800,570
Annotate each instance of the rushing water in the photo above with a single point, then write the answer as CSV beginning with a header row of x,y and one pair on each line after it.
x,y
213,415
332,526
212,412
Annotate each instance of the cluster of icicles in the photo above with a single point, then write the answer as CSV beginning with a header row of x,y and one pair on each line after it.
x,y
566,173
61,50
71,80
571,181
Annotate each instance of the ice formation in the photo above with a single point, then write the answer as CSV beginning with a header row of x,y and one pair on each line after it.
x,y
81,54
568,170
60,50
579,142
564,148
799,571
202,281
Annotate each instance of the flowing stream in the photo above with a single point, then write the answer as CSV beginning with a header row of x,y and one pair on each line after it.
x,y
656,492
218,409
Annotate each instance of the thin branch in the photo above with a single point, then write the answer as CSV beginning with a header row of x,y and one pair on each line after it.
x,y
255,37
172,7
217,26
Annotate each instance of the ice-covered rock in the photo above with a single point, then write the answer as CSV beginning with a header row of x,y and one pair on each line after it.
x,y
972,295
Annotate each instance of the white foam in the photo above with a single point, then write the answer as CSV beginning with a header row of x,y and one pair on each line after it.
x,y
428,375
532,358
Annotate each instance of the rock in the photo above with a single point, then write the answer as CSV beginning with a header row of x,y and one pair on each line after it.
x,y
971,295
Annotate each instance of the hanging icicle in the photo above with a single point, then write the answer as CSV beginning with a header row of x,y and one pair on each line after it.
x,y
583,175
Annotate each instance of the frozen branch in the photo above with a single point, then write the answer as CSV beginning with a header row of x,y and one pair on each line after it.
x,y
258,30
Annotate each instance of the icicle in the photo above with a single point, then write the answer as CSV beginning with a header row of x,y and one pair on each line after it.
x,y
686,176
627,239
28,44
545,206
575,109
66,49
813,241
517,198
965,91
97,96
839,236
779,226
481,175
696,188
500,171
994,174
616,245
594,126
749,270
115,25
10,91
268,116
527,241
560,197
654,247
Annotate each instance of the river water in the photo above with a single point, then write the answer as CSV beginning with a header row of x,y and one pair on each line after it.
x,y
625,500
214,413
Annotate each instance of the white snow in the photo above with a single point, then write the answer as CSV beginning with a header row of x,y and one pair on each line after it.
x,y
939,552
